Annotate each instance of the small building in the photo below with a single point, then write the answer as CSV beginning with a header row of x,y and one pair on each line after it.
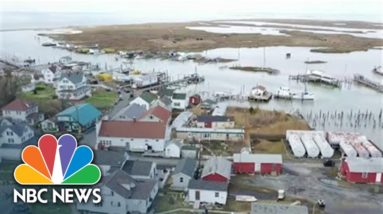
x,y
216,169
215,122
195,100
183,173
133,111
190,151
247,163
49,125
78,117
179,101
22,110
14,132
146,99
73,86
28,87
273,208
50,74
208,104
157,114
135,136
140,170
122,194
173,148
207,191
362,170
109,161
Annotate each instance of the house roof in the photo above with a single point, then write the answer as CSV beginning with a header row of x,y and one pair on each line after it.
x,y
217,165
18,105
257,158
82,113
132,111
179,96
132,129
160,112
124,185
181,119
211,118
17,127
74,77
137,167
208,185
148,97
263,208
110,158
364,164
186,166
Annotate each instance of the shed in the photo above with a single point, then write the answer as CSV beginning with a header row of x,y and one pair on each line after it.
x,y
263,163
362,170
183,173
173,148
216,169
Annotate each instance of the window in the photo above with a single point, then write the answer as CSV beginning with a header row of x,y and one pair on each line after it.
x,y
118,204
10,140
181,179
216,194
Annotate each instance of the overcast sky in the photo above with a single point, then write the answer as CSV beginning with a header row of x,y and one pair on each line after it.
x,y
174,5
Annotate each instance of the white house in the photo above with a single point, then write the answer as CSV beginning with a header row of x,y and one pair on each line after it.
x,y
173,148
207,191
216,122
138,136
50,74
73,86
179,100
157,114
183,173
22,110
14,132
122,194
145,99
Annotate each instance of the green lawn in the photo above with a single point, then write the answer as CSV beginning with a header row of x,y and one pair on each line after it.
x,y
169,201
43,93
102,99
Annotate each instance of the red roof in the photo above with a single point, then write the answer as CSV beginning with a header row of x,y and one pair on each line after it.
x,y
160,112
18,105
132,129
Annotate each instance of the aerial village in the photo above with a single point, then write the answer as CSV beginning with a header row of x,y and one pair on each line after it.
x,y
165,150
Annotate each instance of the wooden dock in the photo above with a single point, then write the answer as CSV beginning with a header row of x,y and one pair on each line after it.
x,y
314,79
362,80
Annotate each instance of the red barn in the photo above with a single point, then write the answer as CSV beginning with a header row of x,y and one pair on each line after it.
x,y
216,169
246,163
362,170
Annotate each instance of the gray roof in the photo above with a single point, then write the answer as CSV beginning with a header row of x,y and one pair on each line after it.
x,y
210,118
208,185
18,127
110,158
259,208
217,165
75,77
124,185
133,111
365,165
136,167
186,166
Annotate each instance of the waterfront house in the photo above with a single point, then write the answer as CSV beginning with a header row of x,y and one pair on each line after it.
x,y
72,86
79,117
183,173
216,169
179,100
122,194
140,170
109,161
23,111
14,132
207,192
138,136
146,99
173,148
50,74
362,170
248,163
215,122
157,114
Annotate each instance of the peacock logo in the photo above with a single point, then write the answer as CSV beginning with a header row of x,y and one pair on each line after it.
x,y
57,162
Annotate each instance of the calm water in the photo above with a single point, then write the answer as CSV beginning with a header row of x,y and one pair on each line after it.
x,y
24,44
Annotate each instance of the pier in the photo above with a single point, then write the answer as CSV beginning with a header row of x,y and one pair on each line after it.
x,y
315,79
362,80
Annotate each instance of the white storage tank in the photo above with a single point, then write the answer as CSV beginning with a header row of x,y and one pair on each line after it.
x,y
296,145
347,149
325,149
311,148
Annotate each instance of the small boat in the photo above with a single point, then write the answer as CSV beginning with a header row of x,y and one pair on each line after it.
x,y
259,93
305,95
378,70
49,44
284,93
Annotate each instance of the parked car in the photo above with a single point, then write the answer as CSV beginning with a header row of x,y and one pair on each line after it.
x,y
321,203
328,163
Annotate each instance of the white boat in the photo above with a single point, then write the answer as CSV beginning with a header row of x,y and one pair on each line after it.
x,y
305,95
378,70
316,75
284,93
